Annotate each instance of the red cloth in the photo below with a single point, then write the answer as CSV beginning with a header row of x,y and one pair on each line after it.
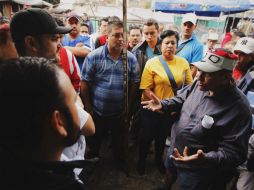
x,y
237,74
70,68
226,39
103,39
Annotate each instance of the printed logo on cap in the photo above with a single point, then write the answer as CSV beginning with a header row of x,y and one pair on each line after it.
x,y
244,42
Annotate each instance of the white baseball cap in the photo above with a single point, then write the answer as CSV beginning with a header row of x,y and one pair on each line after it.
x,y
213,36
216,61
245,45
189,17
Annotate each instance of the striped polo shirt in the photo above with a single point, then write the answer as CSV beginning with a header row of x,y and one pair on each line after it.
x,y
106,77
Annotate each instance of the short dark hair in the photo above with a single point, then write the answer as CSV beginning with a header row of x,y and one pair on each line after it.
x,y
114,22
29,93
240,34
105,19
167,33
21,47
113,18
150,22
135,27
84,24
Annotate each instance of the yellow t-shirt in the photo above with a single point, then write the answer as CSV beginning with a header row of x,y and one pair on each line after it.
x,y
155,78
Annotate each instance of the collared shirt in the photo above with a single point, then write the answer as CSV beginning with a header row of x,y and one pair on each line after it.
x,y
245,82
224,141
149,52
140,52
192,50
106,79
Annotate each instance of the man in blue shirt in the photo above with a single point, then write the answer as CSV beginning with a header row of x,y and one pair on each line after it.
x,y
79,45
102,91
189,47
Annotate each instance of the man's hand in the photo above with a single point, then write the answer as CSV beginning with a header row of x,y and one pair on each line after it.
x,y
185,158
80,44
154,104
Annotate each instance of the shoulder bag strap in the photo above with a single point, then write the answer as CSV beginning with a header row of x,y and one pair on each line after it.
x,y
181,47
169,73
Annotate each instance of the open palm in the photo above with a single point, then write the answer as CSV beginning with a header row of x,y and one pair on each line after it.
x,y
185,158
154,104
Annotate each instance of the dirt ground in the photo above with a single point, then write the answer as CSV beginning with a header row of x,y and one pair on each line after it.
x,y
107,176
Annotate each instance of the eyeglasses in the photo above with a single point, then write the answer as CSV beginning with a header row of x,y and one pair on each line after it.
x,y
117,35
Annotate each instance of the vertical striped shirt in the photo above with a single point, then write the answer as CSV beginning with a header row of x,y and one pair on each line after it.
x,y
106,78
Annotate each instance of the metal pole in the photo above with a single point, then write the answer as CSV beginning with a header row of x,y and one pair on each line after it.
x,y
125,60
126,89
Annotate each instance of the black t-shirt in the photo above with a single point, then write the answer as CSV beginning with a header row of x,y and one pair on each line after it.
x,y
17,174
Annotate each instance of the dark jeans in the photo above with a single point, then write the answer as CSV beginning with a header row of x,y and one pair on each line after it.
x,y
154,126
203,179
118,133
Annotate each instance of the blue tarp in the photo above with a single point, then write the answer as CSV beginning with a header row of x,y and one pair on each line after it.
x,y
211,8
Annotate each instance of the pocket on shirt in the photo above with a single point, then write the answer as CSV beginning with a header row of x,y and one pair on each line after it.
x,y
200,132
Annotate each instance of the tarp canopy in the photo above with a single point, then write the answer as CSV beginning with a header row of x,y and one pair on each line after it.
x,y
133,13
27,2
212,8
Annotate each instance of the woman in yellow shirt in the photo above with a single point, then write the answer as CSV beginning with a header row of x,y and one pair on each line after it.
x,y
155,80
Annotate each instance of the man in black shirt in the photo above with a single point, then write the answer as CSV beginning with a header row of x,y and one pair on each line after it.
x,y
210,138
38,120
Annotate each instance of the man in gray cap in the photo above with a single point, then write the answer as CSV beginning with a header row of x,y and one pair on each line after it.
x,y
210,138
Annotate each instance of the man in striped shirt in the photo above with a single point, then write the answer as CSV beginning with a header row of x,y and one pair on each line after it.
x,y
102,91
